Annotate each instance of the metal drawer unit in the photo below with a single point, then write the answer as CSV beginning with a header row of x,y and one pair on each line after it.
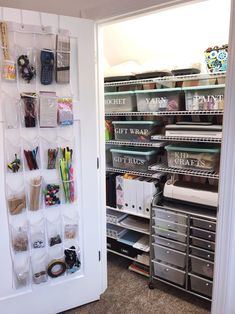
x,y
182,248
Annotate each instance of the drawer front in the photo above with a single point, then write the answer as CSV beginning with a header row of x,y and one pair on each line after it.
x,y
170,225
199,233
170,243
169,273
202,267
170,216
170,234
169,256
202,253
203,224
201,285
203,244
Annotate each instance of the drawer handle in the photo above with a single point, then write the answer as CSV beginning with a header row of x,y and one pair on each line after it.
x,y
210,226
168,244
209,246
166,269
208,265
168,235
168,216
208,256
167,252
209,236
207,284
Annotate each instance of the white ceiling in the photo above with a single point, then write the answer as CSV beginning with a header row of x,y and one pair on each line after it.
x,y
91,9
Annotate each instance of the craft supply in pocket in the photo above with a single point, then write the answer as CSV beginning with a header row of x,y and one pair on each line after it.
x,y
67,174
52,156
22,278
62,70
70,231
31,158
51,195
55,240
20,240
26,69
29,104
48,110
65,111
40,277
9,68
17,204
71,260
56,268
35,189
15,165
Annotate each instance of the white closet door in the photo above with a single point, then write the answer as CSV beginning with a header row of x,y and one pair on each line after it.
x,y
85,285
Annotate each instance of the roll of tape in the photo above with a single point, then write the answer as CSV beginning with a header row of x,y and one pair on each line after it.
x,y
56,268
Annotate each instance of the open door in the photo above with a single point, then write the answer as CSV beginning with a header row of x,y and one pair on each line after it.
x,y
81,216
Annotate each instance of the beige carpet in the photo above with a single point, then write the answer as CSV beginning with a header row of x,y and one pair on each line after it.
x,y
128,293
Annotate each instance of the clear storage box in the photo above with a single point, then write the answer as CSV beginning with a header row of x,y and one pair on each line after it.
x,y
159,100
193,157
120,102
135,131
204,98
134,159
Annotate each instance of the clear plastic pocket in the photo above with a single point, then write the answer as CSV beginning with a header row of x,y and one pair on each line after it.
x,y
48,110
70,226
20,240
56,266
52,194
72,259
26,65
31,154
10,111
21,271
35,193
29,109
54,231
39,262
16,197
50,149
37,234
13,154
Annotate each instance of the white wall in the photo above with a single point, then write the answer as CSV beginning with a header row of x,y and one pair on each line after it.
x,y
169,38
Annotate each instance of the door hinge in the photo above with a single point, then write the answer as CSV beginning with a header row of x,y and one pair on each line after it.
x,y
98,163
99,254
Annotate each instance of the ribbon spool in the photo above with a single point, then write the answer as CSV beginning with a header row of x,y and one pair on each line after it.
x,y
56,268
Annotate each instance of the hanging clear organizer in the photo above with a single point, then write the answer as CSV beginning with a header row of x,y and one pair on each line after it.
x,y
40,160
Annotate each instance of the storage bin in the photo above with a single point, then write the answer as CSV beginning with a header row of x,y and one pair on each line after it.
x,y
170,216
193,157
203,224
135,131
201,285
169,256
208,245
200,233
120,102
202,253
159,100
202,267
164,224
134,159
169,273
170,243
202,98
170,234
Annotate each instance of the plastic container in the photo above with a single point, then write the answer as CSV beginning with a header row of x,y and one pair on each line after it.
x,y
159,100
134,159
201,285
204,98
120,102
135,131
169,273
193,157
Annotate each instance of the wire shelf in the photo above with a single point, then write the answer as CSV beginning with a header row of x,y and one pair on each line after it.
x,y
136,173
169,79
126,256
196,173
138,144
127,212
167,113
186,139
